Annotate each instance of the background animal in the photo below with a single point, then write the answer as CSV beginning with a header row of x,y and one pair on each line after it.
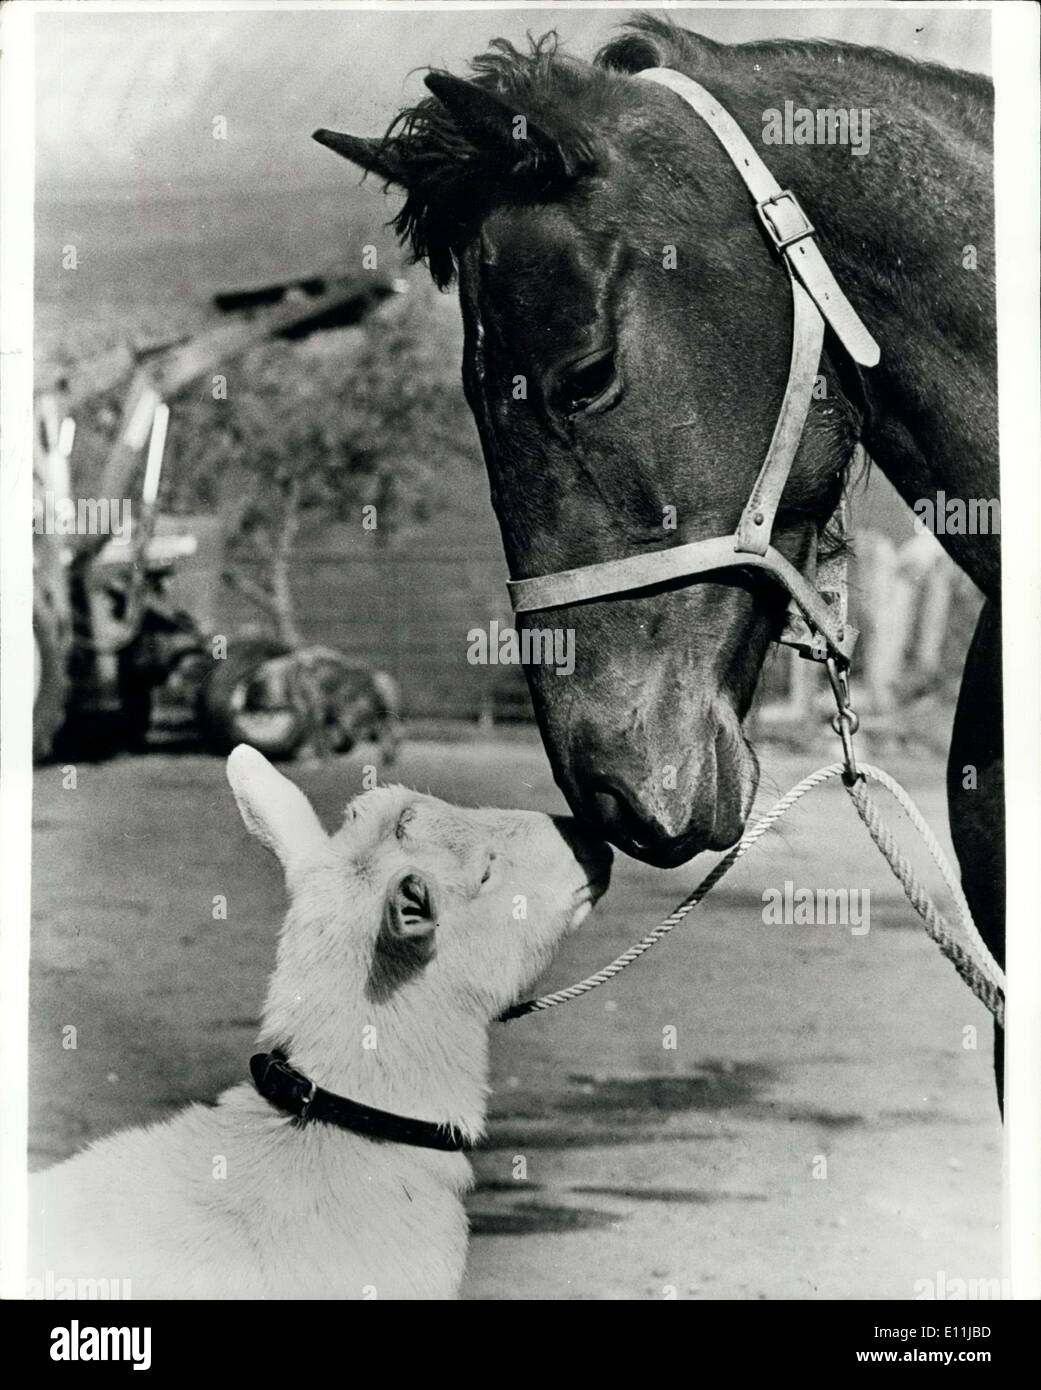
x,y
407,932
339,702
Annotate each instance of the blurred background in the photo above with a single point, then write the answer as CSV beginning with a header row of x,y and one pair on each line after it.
x,y
174,157
214,341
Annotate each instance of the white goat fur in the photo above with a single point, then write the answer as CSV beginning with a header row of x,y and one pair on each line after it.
x,y
313,1211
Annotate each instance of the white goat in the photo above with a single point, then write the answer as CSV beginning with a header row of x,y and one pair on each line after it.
x,y
407,932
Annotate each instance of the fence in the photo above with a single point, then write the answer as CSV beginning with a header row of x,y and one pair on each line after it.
x,y
408,613
408,609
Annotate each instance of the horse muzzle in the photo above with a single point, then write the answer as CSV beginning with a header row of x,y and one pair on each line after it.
x,y
667,813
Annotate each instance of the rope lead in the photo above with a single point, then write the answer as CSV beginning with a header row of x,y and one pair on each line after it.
x,y
973,961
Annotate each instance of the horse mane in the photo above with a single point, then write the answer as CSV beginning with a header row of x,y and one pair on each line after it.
x,y
652,40
452,176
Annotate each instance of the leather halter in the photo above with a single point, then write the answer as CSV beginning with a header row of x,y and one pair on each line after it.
x,y
817,626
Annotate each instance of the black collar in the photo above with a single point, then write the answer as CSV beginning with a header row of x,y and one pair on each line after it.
x,y
290,1090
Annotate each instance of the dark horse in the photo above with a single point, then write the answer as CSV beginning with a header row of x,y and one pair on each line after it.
x,y
653,380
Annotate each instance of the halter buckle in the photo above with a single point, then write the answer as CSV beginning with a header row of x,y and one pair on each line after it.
x,y
775,229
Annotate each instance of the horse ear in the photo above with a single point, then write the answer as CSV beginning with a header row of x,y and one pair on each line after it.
x,y
487,118
374,156
650,42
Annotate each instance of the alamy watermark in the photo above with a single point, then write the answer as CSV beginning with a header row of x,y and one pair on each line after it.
x,y
827,125
55,1286
56,515
948,1288
957,516
812,907
80,1342
533,646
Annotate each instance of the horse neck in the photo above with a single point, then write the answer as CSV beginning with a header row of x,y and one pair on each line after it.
x,y
896,225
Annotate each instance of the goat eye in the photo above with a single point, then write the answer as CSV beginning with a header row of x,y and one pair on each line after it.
x,y
487,871
583,383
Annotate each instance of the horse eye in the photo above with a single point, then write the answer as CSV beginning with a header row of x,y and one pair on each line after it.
x,y
585,382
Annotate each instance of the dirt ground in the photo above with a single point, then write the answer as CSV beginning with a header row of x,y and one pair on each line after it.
x,y
818,1131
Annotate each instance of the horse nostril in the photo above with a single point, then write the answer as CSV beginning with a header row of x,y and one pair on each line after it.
x,y
645,831
616,815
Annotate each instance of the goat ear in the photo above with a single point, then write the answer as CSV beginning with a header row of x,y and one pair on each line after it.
x,y
487,118
274,809
410,912
378,157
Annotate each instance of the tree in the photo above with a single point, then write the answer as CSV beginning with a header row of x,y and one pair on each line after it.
x,y
315,431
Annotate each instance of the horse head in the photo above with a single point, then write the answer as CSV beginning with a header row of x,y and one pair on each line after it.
x,y
627,340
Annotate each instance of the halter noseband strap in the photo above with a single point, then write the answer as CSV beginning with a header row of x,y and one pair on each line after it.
x,y
816,300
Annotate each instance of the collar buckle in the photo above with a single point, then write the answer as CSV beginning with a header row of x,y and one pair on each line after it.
x,y
305,1104
290,1091
784,219
288,1088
